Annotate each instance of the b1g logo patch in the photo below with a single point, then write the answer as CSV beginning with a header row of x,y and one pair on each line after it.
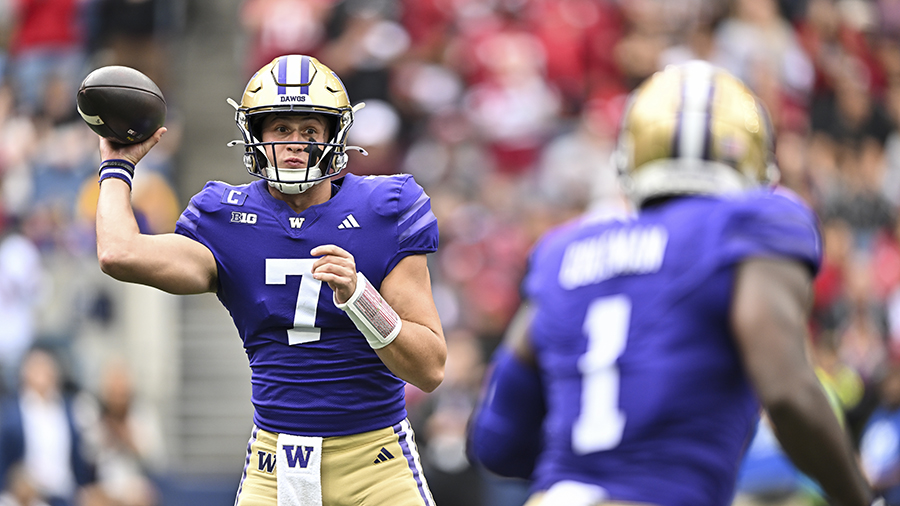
x,y
239,217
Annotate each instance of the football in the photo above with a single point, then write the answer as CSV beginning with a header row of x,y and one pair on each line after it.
x,y
121,104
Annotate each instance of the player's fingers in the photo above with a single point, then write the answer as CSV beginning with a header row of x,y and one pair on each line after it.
x,y
341,270
132,152
330,249
342,281
333,280
144,147
332,255
344,262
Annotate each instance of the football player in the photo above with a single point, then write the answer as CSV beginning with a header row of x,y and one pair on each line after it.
x,y
327,283
636,370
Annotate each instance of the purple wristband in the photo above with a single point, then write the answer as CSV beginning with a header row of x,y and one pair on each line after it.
x,y
107,174
119,169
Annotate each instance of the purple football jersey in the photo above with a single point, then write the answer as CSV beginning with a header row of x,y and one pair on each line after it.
x,y
313,373
646,394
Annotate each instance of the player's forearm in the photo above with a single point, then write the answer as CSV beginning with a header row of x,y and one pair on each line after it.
x,y
417,356
811,435
117,229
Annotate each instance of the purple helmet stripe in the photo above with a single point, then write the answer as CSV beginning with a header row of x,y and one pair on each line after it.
x,y
281,70
707,124
339,81
403,436
304,75
676,139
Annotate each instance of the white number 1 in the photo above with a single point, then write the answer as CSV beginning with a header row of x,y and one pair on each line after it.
x,y
277,271
600,423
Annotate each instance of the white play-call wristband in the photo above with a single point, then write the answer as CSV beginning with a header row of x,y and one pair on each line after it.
x,y
371,314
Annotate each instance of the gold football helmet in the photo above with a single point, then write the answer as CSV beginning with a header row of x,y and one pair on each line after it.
x,y
694,128
299,84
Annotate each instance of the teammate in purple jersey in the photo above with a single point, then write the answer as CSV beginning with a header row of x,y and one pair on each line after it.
x,y
326,280
636,369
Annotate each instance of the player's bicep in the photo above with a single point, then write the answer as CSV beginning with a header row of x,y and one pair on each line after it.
x,y
407,288
769,317
171,262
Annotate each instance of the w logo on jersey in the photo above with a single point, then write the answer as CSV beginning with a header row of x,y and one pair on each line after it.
x,y
295,221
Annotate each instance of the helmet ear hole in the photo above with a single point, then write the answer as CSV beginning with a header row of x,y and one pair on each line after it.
x,y
255,126
262,161
330,127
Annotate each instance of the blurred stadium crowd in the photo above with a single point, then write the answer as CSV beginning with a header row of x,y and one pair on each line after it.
x,y
505,111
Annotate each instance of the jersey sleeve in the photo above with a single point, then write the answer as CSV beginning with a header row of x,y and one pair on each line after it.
x,y
540,273
190,223
773,225
532,281
417,228
504,433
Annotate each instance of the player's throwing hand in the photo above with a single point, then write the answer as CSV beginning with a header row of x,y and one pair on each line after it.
x,y
132,152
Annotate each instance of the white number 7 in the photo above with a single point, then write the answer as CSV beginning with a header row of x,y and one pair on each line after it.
x,y
600,423
277,271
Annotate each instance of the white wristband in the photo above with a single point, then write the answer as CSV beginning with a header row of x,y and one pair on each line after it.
x,y
371,314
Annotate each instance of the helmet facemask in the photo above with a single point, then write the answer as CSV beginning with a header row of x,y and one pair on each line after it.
x,y
325,159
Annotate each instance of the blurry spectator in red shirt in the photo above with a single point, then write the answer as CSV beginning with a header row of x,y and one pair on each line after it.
x,y
48,39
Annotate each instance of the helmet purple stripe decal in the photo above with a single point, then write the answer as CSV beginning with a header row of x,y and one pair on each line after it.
x,y
707,124
304,75
679,121
339,81
281,70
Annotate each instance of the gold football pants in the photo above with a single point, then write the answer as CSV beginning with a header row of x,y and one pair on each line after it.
x,y
369,469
